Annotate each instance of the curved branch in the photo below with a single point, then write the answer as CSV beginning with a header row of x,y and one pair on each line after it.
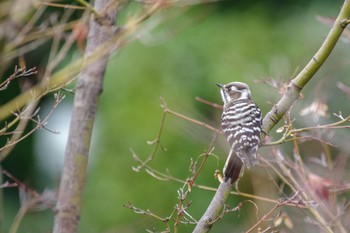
x,y
278,110
297,84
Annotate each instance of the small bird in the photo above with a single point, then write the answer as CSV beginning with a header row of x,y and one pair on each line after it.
x,y
241,124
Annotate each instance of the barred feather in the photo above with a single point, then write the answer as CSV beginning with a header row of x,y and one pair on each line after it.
x,y
241,124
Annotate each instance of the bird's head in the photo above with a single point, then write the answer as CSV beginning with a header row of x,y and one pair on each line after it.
x,y
234,91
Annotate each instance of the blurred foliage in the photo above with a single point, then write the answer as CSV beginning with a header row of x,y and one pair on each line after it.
x,y
219,43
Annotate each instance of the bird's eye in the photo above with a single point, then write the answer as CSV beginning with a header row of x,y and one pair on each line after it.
x,y
233,88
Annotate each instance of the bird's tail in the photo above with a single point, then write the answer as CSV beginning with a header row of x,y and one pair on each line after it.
x,y
233,167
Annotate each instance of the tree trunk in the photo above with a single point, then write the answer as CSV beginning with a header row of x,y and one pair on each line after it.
x,y
88,90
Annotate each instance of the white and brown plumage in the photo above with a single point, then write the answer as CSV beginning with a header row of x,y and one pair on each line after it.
x,y
241,124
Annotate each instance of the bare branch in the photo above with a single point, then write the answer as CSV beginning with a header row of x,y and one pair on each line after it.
x,y
271,212
23,117
290,132
209,103
215,208
296,85
21,72
279,110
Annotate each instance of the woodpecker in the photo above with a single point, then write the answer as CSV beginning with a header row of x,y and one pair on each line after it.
x,y
241,124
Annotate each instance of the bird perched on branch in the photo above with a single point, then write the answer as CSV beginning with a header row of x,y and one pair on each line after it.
x,y
241,124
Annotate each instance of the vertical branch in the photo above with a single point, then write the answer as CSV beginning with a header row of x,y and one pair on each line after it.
x,y
88,90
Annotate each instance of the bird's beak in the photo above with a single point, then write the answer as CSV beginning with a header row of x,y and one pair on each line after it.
x,y
220,85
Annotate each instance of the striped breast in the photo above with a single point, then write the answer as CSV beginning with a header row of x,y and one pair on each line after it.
x,y
241,123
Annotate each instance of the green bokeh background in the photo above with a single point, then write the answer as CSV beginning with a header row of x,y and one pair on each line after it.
x,y
220,43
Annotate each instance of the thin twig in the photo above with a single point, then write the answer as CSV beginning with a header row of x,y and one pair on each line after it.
x,y
192,120
289,132
23,117
268,214
214,105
